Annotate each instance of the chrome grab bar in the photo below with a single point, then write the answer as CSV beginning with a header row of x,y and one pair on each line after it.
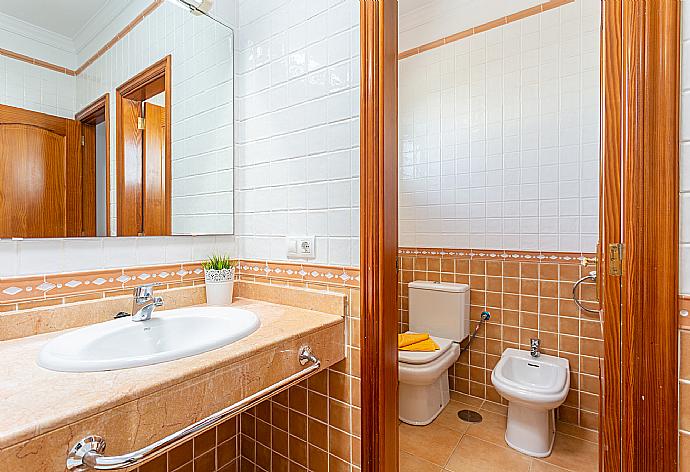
x,y
87,454
593,277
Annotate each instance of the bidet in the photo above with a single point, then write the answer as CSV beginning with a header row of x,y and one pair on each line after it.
x,y
534,388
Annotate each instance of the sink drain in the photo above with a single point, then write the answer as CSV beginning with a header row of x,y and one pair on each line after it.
x,y
470,416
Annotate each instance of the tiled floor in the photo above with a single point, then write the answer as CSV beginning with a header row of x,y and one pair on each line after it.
x,y
449,444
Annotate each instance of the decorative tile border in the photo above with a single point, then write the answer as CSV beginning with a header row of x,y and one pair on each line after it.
x,y
54,289
535,10
304,273
147,11
19,293
497,254
37,62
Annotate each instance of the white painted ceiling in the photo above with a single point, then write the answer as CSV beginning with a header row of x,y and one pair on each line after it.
x,y
64,17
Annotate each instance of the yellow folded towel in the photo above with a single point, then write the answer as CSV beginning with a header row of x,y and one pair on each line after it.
x,y
416,342
406,339
424,346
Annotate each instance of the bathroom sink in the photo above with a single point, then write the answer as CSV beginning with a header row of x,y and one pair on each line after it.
x,y
168,335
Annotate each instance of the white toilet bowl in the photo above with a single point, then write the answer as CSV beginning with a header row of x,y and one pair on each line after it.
x,y
423,390
534,388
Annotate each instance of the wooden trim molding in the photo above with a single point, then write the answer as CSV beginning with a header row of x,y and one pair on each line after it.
x,y
609,286
379,234
94,109
92,114
650,91
535,10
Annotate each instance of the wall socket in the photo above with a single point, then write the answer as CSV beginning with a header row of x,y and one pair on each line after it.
x,y
301,248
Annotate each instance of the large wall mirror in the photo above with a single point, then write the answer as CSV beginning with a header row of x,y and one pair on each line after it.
x,y
116,118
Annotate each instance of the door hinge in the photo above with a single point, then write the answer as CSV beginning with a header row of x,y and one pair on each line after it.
x,y
141,123
615,256
83,141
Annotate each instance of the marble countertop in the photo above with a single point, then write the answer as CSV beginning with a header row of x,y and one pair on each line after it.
x,y
34,400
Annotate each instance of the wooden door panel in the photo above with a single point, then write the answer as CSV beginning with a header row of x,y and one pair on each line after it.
x,y
32,190
41,175
154,181
129,171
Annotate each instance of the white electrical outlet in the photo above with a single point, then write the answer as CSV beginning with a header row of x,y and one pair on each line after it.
x,y
301,248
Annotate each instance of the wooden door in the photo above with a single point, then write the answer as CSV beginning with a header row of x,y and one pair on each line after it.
x,y
40,175
641,90
129,170
154,178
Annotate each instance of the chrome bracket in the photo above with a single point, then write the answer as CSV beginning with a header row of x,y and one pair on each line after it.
x,y
75,458
306,356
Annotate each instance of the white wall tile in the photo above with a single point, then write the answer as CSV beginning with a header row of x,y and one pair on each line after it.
x,y
35,88
685,152
498,148
297,153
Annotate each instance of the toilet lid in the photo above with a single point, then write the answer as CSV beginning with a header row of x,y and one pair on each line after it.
x,y
409,357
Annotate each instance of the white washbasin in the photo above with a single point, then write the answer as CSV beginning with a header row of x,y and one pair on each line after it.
x,y
168,335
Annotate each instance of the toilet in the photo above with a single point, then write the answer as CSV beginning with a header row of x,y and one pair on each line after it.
x,y
534,388
442,310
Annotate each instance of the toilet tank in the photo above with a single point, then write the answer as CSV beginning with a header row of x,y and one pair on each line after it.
x,y
440,309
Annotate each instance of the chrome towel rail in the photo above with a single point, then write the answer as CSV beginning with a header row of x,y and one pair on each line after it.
x,y
593,278
87,454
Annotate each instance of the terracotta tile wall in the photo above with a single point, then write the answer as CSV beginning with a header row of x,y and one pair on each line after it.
x,y
684,388
215,450
528,295
315,425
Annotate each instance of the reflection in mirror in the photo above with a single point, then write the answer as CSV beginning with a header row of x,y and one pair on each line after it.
x,y
125,128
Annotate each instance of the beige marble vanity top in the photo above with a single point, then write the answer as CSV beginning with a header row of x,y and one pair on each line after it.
x,y
34,401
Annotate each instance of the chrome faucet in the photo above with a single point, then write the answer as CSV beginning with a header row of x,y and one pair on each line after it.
x,y
534,347
144,302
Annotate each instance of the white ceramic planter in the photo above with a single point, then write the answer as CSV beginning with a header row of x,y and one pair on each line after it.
x,y
219,286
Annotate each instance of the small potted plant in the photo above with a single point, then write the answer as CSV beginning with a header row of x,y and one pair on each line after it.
x,y
219,272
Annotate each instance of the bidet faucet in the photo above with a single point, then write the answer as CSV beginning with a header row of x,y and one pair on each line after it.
x,y
144,302
534,344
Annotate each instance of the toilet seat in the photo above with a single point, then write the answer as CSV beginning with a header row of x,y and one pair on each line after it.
x,y
413,371
411,357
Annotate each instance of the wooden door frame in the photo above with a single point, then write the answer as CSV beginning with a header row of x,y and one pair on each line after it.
x,y
379,233
90,115
149,82
639,182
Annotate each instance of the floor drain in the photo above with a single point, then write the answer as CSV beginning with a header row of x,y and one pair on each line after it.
x,y
470,416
